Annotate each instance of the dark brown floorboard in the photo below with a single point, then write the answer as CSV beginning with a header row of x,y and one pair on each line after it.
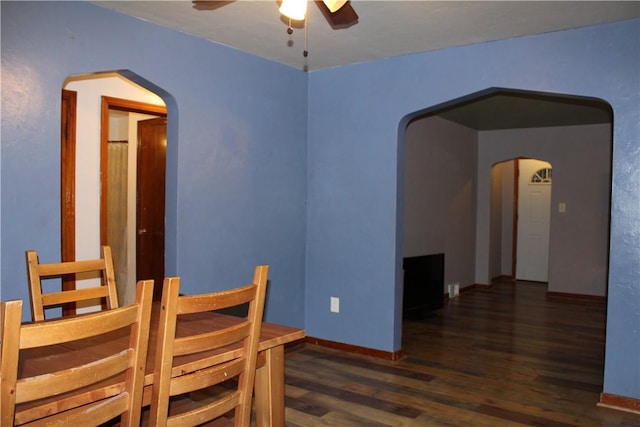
x,y
506,356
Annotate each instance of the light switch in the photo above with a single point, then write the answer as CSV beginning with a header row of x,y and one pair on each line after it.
x,y
562,207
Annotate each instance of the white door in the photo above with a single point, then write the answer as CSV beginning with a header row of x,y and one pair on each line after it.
x,y
534,211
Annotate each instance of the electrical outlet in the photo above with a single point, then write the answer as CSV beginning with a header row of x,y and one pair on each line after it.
x,y
454,289
335,305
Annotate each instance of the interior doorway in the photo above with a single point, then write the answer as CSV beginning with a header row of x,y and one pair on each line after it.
x,y
134,136
452,205
534,220
89,171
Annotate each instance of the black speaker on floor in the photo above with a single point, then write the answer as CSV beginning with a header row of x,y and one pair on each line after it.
x,y
423,285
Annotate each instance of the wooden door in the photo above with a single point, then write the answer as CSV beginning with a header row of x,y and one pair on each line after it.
x,y
534,214
150,191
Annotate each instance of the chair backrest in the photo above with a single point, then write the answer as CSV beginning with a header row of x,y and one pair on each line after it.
x,y
98,388
241,365
101,268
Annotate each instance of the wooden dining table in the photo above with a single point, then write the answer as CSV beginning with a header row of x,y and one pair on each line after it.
x,y
269,380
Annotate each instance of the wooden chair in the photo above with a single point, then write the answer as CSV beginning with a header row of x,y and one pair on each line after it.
x,y
97,389
208,371
101,267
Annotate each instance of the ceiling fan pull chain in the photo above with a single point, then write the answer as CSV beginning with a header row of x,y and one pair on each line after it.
x,y
305,53
290,29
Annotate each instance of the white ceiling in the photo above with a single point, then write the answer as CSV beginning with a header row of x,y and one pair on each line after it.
x,y
385,28
393,28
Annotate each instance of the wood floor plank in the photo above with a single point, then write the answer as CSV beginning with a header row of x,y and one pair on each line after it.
x,y
344,395
504,356
525,419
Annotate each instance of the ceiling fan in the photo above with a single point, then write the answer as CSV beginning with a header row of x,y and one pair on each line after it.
x,y
338,13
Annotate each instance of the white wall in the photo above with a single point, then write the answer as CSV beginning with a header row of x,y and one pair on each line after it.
x,y
90,92
439,212
581,159
438,203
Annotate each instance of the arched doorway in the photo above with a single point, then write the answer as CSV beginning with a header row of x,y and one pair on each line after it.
x,y
109,108
455,146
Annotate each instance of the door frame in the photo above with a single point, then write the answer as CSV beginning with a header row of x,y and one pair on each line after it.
x,y
129,106
68,164
514,233
111,103
69,100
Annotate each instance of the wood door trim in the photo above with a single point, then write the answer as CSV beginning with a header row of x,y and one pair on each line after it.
x,y
68,188
134,106
516,194
111,103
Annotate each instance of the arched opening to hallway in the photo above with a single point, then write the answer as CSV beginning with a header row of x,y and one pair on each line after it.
x,y
100,165
448,204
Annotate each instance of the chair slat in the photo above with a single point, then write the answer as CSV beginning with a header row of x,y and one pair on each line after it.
x,y
71,379
70,267
71,329
96,414
211,340
225,299
206,413
62,404
58,298
206,377
204,362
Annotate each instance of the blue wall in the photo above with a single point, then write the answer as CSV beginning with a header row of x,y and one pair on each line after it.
x,y
354,205
236,178
250,181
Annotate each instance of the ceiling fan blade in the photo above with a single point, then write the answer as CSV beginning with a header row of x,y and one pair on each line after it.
x,y
209,4
334,5
344,17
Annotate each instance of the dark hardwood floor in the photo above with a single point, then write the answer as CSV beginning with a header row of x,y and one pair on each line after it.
x,y
506,356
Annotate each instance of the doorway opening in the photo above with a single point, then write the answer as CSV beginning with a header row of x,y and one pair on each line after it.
x,y
451,204
533,220
133,191
109,106
521,196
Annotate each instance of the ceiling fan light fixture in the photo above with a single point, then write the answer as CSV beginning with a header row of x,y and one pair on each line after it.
x,y
334,5
294,9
